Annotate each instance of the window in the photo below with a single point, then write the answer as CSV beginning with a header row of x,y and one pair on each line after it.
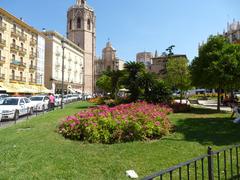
x,y
14,27
31,64
13,74
31,77
14,41
83,2
21,76
21,60
1,19
13,57
70,24
89,24
22,45
0,37
79,21
22,102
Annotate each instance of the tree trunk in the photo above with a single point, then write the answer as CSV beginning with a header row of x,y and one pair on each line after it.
x,y
218,101
181,96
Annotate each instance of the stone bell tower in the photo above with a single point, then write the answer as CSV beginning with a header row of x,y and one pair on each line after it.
x,y
81,29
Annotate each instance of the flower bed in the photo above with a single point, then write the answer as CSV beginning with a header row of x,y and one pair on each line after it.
x,y
123,123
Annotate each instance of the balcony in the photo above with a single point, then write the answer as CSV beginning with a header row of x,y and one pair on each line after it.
x,y
2,77
21,66
32,55
14,64
14,33
22,37
33,42
14,48
3,26
14,79
2,43
22,51
2,60
32,68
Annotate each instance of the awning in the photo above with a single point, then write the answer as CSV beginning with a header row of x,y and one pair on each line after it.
x,y
23,88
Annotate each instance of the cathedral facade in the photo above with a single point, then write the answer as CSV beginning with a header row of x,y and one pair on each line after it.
x,y
81,29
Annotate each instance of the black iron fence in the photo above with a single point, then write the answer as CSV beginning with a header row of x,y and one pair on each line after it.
x,y
222,164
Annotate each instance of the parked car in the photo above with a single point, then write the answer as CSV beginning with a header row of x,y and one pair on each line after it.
x,y
13,107
2,96
40,102
58,100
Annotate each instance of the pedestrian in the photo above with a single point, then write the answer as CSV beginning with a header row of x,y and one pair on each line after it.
x,y
236,110
51,101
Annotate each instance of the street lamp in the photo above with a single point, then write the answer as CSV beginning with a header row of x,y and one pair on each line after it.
x,y
63,48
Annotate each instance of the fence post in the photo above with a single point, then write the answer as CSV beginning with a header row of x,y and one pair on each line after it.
x,y
210,164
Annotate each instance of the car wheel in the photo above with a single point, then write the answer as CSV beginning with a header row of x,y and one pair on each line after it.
x,y
16,115
43,109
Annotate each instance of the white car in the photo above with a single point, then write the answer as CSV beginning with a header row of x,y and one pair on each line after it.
x,y
40,102
13,107
58,100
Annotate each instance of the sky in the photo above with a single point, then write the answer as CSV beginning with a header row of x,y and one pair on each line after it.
x,y
137,25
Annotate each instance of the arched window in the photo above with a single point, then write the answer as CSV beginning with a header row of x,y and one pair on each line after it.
x,y
13,74
13,57
21,76
21,60
89,24
14,41
70,24
79,21
21,45
31,77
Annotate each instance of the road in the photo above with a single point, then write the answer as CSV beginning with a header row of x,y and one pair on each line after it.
x,y
6,123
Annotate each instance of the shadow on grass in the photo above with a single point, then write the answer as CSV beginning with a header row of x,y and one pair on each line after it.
x,y
199,110
80,107
209,131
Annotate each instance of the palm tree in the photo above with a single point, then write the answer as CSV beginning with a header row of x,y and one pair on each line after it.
x,y
147,82
132,80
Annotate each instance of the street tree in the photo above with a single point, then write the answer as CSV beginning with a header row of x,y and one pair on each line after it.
x,y
178,74
217,66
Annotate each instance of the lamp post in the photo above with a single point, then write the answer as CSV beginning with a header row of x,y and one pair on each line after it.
x,y
63,48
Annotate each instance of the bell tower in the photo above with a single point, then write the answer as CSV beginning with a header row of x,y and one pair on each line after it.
x,y
81,29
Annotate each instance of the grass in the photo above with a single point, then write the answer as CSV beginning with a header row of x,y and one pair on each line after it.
x,y
34,150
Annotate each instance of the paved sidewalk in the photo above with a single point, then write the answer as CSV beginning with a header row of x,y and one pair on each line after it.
x,y
207,104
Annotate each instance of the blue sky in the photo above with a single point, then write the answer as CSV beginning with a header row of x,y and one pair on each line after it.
x,y
137,25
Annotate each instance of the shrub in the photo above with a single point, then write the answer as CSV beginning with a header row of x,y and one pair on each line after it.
x,y
177,107
97,100
123,123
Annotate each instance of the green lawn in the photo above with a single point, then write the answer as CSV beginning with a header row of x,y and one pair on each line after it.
x,y
34,150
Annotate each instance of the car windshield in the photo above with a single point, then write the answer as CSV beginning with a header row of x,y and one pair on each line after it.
x,y
36,98
10,101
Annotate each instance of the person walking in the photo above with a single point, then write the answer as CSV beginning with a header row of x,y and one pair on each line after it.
x,y
51,101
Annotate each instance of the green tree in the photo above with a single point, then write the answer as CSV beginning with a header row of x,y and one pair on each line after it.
x,y
132,79
217,66
147,82
110,82
178,74
104,83
159,93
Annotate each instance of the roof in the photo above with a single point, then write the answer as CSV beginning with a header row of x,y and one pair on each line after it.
x,y
19,21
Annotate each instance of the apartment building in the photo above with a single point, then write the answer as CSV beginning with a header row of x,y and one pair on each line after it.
x,y
21,56
73,62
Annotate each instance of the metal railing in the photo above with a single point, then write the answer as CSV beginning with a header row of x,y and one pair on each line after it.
x,y
222,164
